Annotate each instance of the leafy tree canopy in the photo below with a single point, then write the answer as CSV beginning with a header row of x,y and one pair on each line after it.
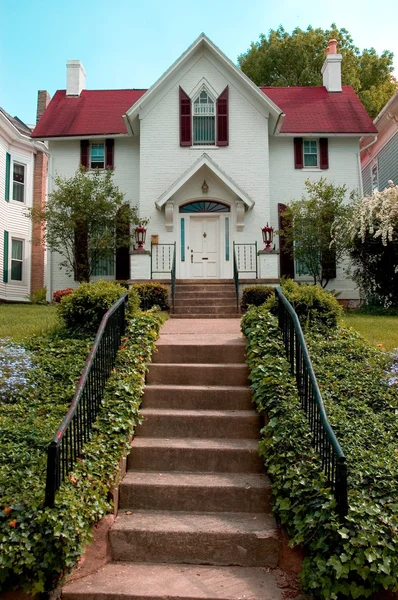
x,y
85,219
296,59
307,229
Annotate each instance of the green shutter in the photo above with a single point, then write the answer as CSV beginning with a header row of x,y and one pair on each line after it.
x,y
8,169
5,258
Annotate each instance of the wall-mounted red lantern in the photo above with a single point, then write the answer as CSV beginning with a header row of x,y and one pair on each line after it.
x,y
268,236
140,235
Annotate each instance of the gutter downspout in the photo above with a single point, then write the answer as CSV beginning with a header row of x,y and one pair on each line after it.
x,y
359,162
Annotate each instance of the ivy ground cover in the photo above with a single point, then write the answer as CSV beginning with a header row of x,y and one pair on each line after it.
x,y
39,545
355,558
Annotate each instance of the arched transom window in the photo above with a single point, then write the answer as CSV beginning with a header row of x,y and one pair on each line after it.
x,y
204,121
204,206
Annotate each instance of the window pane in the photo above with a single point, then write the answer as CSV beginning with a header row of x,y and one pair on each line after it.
x,y
16,249
16,270
104,266
18,191
310,160
19,173
98,155
203,130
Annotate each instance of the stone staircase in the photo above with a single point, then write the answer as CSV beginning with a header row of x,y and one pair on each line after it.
x,y
194,518
205,300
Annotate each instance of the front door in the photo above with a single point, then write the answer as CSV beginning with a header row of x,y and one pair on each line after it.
x,y
204,251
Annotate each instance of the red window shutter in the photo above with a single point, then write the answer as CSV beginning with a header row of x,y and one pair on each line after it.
x,y
185,119
84,146
298,153
324,154
286,260
222,119
109,145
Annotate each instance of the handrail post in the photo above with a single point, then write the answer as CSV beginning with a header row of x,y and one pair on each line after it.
x,y
256,259
151,260
52,482
341,487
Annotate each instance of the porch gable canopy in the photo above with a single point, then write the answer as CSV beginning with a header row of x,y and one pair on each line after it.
x,y
203,160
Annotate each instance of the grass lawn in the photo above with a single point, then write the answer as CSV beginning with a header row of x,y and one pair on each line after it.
x,y
19,321
376,329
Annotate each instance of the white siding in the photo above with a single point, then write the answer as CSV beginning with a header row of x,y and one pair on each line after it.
x,y
14,220
287,183
65,159
245,159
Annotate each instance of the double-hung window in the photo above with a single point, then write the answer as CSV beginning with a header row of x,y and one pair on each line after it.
x,y
204,120
16,259
375,177
18,182
310,153
97,157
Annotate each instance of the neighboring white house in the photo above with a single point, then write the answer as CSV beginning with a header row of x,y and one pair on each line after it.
x,y
22,270
209,157
380,156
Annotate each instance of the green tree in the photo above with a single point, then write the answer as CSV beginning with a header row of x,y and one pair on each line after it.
x,y
308,229
80,220
296,59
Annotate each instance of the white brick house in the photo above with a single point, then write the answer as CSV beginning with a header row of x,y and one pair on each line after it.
x,y
208,157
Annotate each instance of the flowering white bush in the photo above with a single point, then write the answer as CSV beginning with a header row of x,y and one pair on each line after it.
x,y
15,364
376,214
370,235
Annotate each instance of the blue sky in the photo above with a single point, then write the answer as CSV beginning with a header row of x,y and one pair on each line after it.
x,y
130,43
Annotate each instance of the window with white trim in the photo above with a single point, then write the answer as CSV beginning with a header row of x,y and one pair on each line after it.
x,y
310,153
17,251
204,120
97,155
18,182
375,177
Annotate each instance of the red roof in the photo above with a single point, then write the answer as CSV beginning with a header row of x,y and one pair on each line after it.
x,y
315,110
307,110
94,112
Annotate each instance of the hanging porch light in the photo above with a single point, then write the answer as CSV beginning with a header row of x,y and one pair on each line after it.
x,y
268,236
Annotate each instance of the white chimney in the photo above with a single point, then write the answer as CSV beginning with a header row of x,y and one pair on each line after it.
x,y
75,78
331,69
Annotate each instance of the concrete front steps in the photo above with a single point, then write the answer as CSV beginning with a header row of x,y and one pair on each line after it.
x,y
194,518
205,300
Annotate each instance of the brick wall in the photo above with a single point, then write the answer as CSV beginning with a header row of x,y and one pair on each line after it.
x,y
39,200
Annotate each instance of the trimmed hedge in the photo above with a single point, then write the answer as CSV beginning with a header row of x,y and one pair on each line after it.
x,y
39,545
152,294
315,307
255,295
360,556
82,309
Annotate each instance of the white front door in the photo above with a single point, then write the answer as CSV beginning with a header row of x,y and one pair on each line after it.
x,y
205,245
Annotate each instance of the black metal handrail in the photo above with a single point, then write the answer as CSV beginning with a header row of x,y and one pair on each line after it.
x,y
236,278
75,429
323,437
173,278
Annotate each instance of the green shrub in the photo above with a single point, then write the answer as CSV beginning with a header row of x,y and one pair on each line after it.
x,y
360,556
83,309
315,307
152,294
134,301
39,296
39,545
255,295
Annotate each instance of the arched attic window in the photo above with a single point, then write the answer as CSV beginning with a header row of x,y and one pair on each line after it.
x,y
204,119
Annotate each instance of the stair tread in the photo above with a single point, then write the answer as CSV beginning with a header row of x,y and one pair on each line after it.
x,y
201,365
184,479
259,524
221,388
183,582
177,412
197,443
